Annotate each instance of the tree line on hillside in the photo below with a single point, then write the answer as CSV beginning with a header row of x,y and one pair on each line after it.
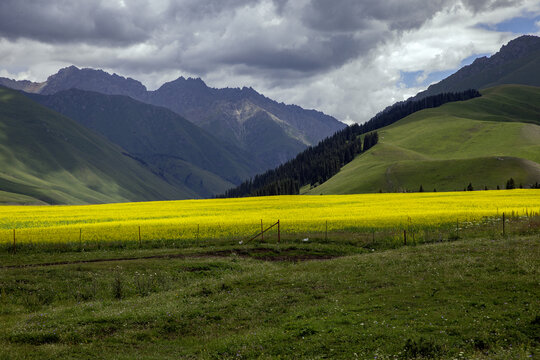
x,y
510,185
319,163
314,165
405,108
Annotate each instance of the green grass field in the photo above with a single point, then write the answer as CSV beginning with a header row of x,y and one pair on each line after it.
x,y
467,299
484,141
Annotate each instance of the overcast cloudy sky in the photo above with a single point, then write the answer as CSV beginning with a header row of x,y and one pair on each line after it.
x,y
348,58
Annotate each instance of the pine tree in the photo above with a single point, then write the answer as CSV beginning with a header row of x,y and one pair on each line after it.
x,y
421,188
510,184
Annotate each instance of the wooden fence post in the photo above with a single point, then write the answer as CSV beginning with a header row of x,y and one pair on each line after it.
x,y
278,233
326,231
504,224
404,237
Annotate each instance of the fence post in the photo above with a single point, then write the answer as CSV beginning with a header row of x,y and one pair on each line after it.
x,y
278,233
326,231
504,224
404,237
262,231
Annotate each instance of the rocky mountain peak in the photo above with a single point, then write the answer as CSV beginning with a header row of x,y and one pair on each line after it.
x,y
93,80
521,45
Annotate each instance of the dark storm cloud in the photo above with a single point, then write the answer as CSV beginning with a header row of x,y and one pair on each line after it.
x,y
485,5
194,10
317,54
201,35
354,15
60,21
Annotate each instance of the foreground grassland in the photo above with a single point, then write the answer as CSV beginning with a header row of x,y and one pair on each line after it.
x,y
466,299
237,219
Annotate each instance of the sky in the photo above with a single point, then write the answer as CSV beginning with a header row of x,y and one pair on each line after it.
x,y
347,58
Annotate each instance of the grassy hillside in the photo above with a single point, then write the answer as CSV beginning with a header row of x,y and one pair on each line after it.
x,y
48,158
485,141
170,145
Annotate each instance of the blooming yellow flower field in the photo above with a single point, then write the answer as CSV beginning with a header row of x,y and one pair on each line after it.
x,y
238,218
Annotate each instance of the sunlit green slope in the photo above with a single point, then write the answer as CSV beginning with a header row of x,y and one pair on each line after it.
x,y
483,141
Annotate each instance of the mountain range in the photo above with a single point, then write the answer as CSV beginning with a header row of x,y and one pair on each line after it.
x,y
86,136
231,134
269,131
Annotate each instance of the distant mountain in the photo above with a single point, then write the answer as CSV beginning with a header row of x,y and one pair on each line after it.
x,y
49,159
269,131
172,147
518,62
84,79
273,132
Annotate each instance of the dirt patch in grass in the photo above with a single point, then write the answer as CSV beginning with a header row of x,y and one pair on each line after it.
x,y
267,254
263,254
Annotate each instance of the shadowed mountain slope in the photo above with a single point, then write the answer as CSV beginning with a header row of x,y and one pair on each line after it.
x,y
169,145
48,158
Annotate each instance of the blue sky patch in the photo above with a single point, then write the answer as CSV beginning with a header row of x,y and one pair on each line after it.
x,y
409,78
518,25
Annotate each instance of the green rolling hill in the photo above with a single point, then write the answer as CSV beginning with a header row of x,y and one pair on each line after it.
x,y
50,159
483,141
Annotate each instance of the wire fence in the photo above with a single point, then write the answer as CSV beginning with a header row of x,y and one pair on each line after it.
x,y
276,232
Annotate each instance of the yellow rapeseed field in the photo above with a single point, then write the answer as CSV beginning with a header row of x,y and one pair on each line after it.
x,y
239,218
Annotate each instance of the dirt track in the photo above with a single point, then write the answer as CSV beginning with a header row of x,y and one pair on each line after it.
x,y
264,254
